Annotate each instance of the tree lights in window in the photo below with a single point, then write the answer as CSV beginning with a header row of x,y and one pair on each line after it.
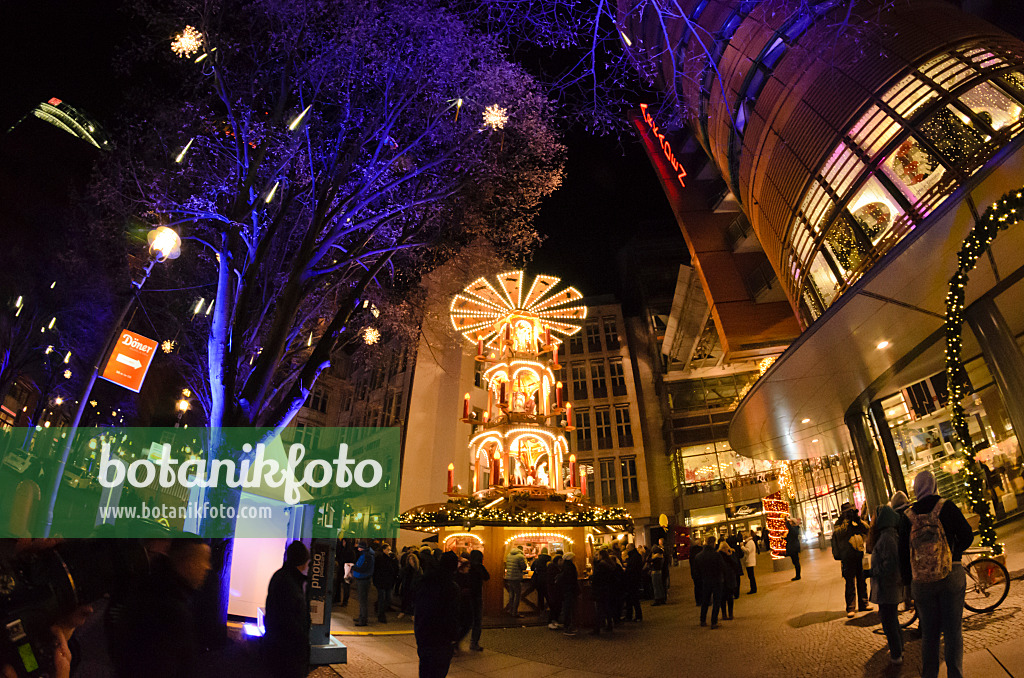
x,y
999,216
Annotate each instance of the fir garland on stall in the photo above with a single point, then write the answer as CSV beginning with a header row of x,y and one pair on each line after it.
x,y
1002,214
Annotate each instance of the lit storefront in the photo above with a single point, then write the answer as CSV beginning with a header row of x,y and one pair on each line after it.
x,y
918,421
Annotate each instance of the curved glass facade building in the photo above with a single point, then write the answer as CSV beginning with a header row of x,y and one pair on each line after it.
x,y
837,140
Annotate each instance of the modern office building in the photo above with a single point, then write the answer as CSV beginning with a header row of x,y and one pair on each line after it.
x,y
602,379
861,156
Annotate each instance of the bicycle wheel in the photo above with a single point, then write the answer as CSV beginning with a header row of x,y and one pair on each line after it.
x,y
988,582
907,613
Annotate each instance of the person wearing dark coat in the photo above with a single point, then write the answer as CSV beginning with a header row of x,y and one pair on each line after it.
x,y
362,573
698,587
346,554
385,576
848,527
655,566
568,582
886,584
286,641
155,634
436,622
553,570
633,584
732,572
540,579
476,575
601,582
712,574
939,603
793,545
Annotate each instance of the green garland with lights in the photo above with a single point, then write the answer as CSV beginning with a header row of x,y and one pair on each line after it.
x,y
1002,214
460,515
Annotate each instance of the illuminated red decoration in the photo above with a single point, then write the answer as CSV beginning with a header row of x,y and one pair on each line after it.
x,y
776,511
666,148
55,101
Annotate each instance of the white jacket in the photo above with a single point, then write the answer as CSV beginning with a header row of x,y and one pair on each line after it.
x,y
749,553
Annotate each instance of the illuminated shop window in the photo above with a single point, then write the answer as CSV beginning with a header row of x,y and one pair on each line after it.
x,y
824,280
874,209
953,135
993,106
913,169
874,130
846,246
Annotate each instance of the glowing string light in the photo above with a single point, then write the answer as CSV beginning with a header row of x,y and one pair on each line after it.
x,y
495,117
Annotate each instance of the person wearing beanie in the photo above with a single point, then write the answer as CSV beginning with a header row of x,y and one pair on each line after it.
x,y
936,576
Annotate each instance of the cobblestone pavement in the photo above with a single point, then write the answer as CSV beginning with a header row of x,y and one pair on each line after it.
x,y
796,629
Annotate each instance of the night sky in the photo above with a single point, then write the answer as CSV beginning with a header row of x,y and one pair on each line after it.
x,y
65,48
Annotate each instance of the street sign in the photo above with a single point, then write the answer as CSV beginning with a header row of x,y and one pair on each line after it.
x,y
129,362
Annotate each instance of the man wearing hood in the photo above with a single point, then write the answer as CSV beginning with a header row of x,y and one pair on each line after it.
x,y
933,535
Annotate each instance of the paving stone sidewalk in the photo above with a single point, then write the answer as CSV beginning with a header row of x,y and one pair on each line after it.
x,y
793,629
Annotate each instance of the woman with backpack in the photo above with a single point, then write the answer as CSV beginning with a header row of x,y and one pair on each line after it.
x,y
933,535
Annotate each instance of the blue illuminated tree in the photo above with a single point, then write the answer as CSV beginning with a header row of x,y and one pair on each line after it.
x,y
310,154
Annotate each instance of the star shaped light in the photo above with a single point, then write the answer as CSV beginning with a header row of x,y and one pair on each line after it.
x,y
187,43
495,117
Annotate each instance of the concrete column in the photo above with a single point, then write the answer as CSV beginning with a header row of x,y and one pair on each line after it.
x,y
867,458
1002,356
889,446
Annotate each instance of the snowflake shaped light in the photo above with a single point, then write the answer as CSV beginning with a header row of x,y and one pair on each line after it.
x,y
482,309
187,43
67,374
495,117
371,335
167,345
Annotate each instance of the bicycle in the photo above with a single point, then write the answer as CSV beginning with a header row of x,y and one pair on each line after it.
x,y
988,583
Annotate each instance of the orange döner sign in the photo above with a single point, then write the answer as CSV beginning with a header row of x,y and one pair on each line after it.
x,y
665,147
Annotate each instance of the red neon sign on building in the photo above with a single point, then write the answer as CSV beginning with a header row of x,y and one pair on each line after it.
x,y
665,147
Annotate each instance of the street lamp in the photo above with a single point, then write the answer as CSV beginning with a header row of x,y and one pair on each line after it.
x,y
164,244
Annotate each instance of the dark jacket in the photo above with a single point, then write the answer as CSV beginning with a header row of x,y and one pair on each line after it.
x,y
385,571
634,569
886,583
539,567
602,579
731,570
710,567
568,578
155,634
478,574
695,550
793,540
436,621
287,620
958,531
552,573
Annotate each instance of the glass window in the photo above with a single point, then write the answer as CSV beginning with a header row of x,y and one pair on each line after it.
x,y
623,427
953,136
846,243
823,280
578,371
588,469
593,338
875,209
611,332
318,400
307,436
576,343
630,491
597,377
608,493
603,421
993,106
913,170
583,440
618,377
701,468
